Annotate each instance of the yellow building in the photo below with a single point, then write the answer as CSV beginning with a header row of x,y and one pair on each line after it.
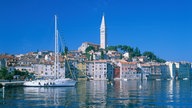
x,y
81,66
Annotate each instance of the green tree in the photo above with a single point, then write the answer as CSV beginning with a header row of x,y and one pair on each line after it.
x,y
3,73
129,49
150,55
102,55
121,56
137,52
16,72
89,49
119,46
92,57
9,76
124,48
66,50
112,48
160,60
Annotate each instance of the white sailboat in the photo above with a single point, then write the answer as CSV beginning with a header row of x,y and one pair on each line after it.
x,y
56,82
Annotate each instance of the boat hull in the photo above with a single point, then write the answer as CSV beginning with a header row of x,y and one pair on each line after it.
x,y
51,83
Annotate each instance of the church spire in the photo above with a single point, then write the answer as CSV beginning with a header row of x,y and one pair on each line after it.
x,y
103,22
103,37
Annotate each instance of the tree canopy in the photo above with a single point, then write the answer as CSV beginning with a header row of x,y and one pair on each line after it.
x,y
125,48
135,52
5,75
151,56
89,48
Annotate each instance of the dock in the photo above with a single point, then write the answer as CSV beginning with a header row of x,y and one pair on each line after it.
x,y
12,83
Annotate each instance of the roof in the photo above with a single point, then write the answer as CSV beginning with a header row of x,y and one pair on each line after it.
x,y
89,43
125,62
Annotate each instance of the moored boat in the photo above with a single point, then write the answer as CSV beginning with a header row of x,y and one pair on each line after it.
x,y
57,81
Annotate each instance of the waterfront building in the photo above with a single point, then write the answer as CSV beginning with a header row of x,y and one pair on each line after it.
x,y
183,70
90,69
146,70
156,71
47,70
153,70
164,71
103,70
103,34
25,69
116,72
99,70
128,70
85,45
38,69
81,66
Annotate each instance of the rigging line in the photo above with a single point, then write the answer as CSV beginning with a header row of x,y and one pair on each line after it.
x,y
65,56
62,45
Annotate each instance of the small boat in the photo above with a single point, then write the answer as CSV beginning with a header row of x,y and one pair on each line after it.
x,y
185,78
56,82
65,82
154,77
125,79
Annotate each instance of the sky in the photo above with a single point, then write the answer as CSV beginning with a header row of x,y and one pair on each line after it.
x,y
163,27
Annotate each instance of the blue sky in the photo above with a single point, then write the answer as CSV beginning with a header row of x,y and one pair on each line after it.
x,y
161,26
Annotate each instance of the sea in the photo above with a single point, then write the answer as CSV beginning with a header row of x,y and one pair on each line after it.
x,y
102,94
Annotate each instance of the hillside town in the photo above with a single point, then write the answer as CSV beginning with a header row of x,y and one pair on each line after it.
x,y
98,62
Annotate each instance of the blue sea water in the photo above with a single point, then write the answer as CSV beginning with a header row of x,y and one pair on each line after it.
x,y
101,94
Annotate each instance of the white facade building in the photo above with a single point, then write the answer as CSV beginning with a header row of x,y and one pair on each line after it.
x,y
179,70
99,70
152,70
47,70
171,72
25,68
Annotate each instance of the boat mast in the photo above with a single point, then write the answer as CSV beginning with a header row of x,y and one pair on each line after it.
x,y
56,64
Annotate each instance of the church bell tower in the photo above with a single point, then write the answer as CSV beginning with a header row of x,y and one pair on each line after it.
x,y
103,36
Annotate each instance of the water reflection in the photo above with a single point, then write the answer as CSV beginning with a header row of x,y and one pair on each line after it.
x,y
50,96
95,95
39,97
101,94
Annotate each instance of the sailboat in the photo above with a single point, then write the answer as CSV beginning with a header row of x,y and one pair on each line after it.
x,y
57,81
